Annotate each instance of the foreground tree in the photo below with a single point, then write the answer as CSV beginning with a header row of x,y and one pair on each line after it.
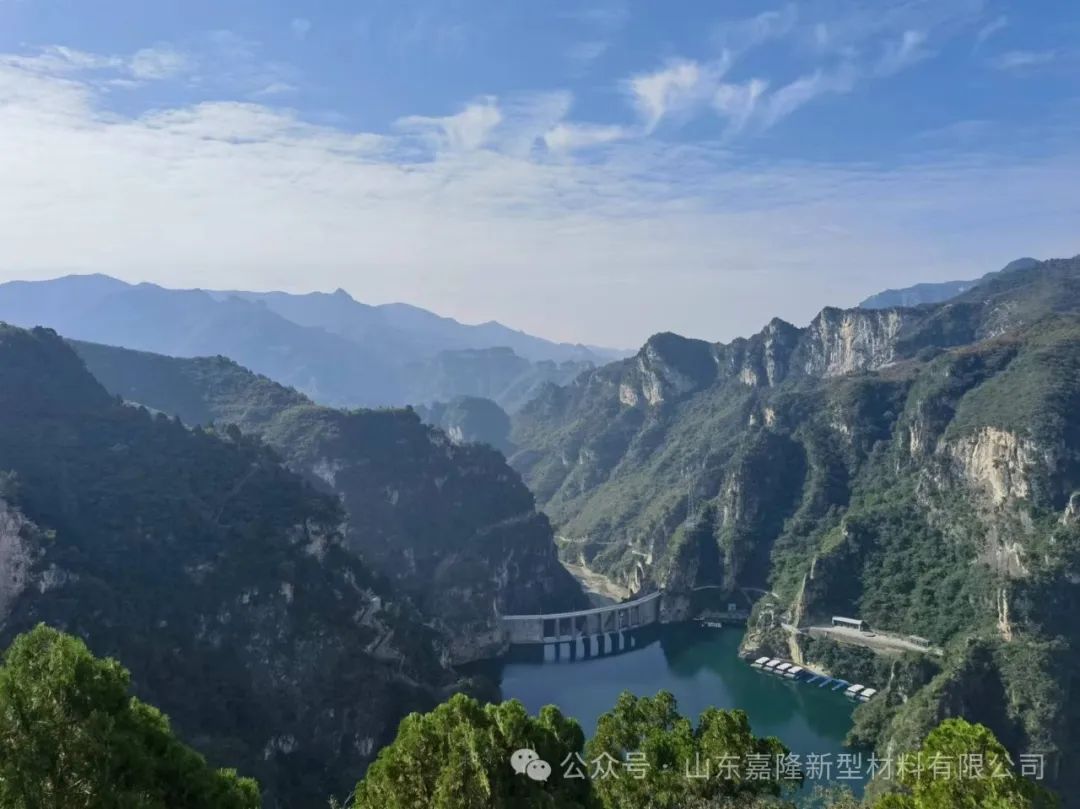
x,y
72,736
460,756
964,766
660,760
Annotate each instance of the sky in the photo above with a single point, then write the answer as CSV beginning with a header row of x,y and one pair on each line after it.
x,y
593,171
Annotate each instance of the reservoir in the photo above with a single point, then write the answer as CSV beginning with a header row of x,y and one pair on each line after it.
x,y
701,667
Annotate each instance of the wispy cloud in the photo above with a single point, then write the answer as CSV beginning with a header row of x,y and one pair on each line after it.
x,y
567,137
902,53
679,88
999,23
738,103
300,26
463,131
691,236
805,89
606,17
160,62
739,36
584,53
1022,60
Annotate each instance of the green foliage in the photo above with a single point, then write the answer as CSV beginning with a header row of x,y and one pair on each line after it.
x,y
673,748
431,515
214,573
71,736
458,757
933,778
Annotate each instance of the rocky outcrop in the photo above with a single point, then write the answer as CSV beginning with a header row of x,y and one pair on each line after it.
x,y
997,463
841,342
19,551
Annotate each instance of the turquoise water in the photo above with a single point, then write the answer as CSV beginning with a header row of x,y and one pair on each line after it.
x,y
701,667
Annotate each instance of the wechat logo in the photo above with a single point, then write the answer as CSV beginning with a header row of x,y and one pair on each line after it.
x,y
528,762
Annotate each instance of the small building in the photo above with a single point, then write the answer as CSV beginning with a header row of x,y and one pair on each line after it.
x,y
782,668
849,623
794,672
853,691
867,693
761,661
768,666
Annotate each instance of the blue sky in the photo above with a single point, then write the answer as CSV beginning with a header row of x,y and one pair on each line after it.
x,y
591,171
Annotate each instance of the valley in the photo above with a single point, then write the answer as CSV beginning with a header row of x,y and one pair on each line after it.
x,y
915,467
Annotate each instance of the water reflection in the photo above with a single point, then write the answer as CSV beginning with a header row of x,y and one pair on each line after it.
x,y
699,666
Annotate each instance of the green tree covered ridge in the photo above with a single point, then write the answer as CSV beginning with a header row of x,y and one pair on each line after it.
x,y
451,524
220,578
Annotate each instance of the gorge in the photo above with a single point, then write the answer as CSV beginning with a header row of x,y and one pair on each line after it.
x,y
332,570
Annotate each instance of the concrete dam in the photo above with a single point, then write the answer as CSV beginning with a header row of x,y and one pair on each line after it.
x,y
597,623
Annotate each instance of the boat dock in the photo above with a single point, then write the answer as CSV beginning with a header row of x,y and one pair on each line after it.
x,y
791,671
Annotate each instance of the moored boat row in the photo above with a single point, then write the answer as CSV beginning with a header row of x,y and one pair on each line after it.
x,y
791,671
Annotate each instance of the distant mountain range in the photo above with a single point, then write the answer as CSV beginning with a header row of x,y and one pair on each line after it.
x,y
935,292
329,346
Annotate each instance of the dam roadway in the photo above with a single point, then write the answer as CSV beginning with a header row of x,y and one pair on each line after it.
x,y
558,627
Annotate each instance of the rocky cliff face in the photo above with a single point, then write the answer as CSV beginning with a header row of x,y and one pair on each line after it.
x,y
999,463
842,342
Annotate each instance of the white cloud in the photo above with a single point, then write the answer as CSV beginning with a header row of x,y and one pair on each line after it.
x,y
469,129
902,53
300,26
742,35
1022,60
677,89
567,137
59,60
275,89
583,53
785,100
997,24
738,103
690,237
159,62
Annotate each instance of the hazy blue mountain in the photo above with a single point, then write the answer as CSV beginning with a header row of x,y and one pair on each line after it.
x,y
334,349
489,373
934,292
189,323
470,420
415,330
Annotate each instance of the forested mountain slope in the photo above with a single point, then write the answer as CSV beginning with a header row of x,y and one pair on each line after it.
x,y
221,579
919,468
934,292
452,525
